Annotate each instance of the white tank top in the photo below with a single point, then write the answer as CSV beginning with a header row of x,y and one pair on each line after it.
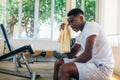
x,y
102,52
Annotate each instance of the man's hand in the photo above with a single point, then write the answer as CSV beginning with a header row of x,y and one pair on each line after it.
x,y
62,26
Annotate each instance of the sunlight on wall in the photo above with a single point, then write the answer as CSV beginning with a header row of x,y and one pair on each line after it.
x,y
112,79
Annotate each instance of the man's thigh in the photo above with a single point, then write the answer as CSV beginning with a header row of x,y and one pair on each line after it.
x,y
89,71
71,69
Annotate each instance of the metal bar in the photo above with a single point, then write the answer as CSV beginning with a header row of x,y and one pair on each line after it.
x,y
33,76
15,73
21,49
26,63
5,37
30,50
36,18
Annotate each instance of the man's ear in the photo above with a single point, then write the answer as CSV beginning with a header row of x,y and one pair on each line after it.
x,y
81,17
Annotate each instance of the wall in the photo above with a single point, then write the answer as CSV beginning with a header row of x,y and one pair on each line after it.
x,y
118,17
116,51
110,16
36,44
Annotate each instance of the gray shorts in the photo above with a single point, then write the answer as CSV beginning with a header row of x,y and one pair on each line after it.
x,y
92,71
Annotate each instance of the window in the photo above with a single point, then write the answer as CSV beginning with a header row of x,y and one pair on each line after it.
x,y
59,13
0,16
89,7
21,18
0,11
50,15
40,19
27,18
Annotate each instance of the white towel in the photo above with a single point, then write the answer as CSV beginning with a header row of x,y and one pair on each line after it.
x,y
64,38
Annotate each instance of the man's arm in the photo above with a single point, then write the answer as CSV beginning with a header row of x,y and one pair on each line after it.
x,y
87,54
74,50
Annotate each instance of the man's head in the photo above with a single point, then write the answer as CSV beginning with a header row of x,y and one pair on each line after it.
x,y
76,19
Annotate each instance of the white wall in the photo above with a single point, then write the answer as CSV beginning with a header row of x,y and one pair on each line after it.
x,y
36,44
116,53
110,16
111,25
118,17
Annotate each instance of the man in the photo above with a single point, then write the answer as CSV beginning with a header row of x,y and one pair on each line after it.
x,y
96,60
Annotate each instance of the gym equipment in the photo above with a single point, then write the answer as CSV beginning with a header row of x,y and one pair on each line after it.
x,y
43,53
40,57
59,55
12,55
8,45
72,41
31,75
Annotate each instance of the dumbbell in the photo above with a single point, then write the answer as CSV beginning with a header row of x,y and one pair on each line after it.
x,y
43,53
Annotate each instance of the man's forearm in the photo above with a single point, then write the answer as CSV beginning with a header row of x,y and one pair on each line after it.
x,y
74,50
72,53
83,58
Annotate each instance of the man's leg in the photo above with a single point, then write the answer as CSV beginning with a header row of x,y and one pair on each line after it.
x,y
57,65
68,71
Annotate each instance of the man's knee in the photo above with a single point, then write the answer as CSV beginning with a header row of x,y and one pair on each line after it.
x,y
69,69
59,62
63,69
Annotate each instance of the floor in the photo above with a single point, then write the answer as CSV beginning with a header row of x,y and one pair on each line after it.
x,y
44,68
